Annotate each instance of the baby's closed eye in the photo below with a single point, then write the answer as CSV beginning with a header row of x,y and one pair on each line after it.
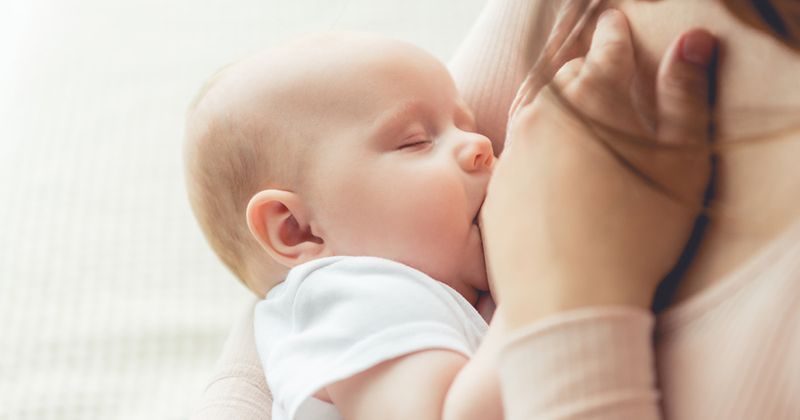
x,y
414,144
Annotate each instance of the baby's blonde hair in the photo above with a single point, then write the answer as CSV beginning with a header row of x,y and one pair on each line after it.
x,y
229,155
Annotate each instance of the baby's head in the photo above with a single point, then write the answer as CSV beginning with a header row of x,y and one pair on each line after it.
x,y
338,144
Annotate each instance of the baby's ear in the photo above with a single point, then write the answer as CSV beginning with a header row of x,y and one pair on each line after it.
x,y
278,221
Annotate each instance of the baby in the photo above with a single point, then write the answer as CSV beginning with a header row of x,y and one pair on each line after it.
x,y
351,160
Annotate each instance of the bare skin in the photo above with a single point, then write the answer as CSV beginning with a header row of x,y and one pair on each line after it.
x,y
578,229
756,184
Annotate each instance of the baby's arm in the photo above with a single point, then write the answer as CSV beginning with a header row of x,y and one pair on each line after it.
x,y
413,386
426,385
475,392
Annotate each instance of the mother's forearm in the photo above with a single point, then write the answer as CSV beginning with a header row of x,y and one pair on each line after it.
x,y
590,364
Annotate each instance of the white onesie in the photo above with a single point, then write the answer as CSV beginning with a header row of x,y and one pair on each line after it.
x,y
338,316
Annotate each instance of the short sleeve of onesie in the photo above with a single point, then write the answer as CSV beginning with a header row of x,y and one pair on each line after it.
x,y
335,317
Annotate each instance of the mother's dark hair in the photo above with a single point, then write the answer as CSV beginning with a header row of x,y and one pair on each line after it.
x,y
779,18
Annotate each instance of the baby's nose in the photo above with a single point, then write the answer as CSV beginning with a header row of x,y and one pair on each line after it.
x,y
476,153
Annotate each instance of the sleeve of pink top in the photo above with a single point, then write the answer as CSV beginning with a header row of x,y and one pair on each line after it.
x,y
238,390
593,363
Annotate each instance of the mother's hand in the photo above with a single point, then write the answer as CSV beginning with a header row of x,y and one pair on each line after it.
x,y
574,218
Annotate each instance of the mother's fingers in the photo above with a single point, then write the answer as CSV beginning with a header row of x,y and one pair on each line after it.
x,y
682,89
610,57
609,66
569,72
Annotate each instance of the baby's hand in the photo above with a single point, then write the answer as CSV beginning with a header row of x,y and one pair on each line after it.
x,y
580,213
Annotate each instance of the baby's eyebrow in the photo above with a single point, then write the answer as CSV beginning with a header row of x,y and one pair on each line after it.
x,y
396,119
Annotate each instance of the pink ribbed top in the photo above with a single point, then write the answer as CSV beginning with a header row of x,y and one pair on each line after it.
x,y
730,352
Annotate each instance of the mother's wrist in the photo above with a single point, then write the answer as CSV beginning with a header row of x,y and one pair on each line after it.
x,y
527,301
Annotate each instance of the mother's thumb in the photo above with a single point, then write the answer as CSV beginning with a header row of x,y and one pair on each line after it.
x,y
683,87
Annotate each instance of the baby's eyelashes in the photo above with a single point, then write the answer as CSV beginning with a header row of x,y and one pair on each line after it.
x,y
414,144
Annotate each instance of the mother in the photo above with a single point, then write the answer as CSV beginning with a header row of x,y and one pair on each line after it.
x,y
726,347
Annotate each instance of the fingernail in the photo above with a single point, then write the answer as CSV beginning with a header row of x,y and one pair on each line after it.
x,y
698,48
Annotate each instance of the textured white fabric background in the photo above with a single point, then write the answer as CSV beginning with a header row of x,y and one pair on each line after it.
x,y
111,304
